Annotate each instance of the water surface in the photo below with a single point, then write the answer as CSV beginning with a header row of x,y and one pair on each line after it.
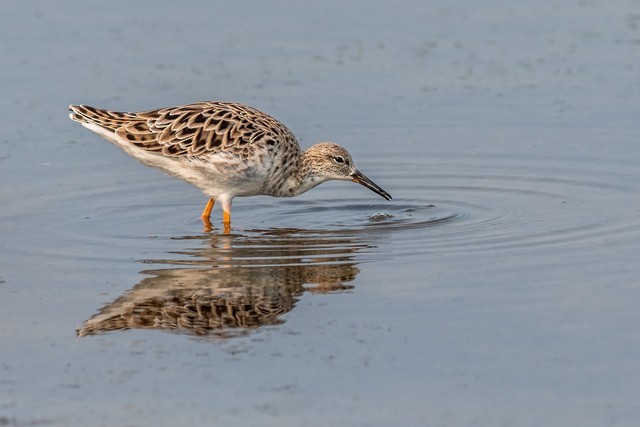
x,y
498,287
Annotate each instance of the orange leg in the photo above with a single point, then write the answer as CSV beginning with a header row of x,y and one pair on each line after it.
x,y
226,221
206,214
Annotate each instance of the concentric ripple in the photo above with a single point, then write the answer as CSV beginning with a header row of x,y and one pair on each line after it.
x,y
456,204
524,206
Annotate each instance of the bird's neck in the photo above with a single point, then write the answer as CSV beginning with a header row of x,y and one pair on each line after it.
x,y
302,180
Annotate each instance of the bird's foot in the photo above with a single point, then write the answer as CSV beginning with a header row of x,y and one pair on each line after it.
x,y
206,225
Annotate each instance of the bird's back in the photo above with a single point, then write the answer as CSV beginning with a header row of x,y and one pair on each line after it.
x,y
190,130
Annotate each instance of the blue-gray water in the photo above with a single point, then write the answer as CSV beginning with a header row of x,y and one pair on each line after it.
x,y
499,286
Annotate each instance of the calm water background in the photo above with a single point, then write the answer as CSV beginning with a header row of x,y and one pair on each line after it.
x,y
499,287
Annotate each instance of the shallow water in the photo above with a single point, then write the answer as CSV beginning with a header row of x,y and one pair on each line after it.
x,y
498,287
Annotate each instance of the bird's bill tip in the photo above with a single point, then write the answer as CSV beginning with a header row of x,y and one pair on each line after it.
x,y
361,179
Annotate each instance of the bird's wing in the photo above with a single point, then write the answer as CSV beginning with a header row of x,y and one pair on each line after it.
x,y
190,130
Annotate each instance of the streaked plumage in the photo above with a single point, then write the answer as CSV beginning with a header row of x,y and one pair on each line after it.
x,y
226,149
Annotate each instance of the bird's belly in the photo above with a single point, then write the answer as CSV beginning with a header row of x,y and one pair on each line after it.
x,y
215,175
234,186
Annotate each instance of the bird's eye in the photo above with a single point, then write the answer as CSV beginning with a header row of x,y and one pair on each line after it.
x,y
338,159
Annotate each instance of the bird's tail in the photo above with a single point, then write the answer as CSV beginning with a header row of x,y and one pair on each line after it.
x,y
106,119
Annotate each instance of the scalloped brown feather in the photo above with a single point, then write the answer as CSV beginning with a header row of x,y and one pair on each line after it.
x,y
192,129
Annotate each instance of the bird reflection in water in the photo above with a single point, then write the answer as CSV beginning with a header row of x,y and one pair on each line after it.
x,y
232,284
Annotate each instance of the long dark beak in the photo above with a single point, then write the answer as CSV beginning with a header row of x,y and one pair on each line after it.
x,y
366,182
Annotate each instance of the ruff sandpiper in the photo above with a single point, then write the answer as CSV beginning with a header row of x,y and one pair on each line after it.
x,y
225,149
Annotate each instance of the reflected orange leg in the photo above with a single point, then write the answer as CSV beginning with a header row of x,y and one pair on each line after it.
x,y
206,214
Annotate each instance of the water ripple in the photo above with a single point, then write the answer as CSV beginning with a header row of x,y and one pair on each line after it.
x,y
449,206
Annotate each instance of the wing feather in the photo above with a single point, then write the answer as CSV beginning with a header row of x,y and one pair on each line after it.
x,y
196,129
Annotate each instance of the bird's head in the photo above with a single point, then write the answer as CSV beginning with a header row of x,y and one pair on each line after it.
x,y
328,161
